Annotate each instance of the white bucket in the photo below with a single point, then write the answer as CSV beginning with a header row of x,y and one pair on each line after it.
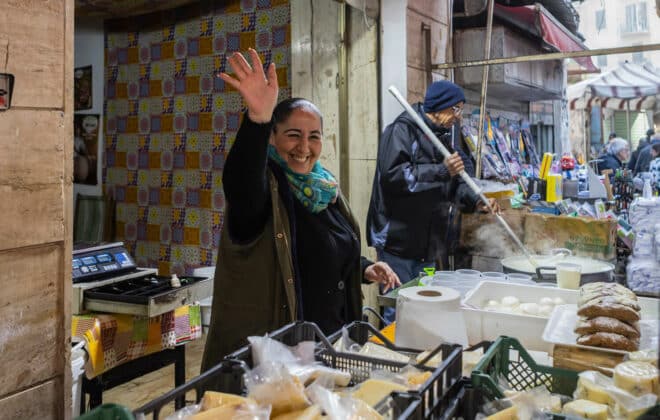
x,y
78,356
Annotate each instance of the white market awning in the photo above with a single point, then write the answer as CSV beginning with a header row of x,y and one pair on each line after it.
x,y
629,85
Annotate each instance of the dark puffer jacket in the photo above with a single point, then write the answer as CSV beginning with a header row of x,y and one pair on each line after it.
x,y
609,161
413,194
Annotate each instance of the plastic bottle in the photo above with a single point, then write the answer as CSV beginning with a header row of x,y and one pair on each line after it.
x,y
647,192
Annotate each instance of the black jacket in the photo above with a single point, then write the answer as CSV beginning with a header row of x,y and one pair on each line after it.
x,y
609,161
413,194
644,158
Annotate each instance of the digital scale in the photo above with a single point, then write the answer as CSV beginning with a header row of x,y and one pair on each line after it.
x,y
106,279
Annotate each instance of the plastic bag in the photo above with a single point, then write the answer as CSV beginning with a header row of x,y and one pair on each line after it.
x,y
266,349
648,356
409,376
338,407
533,404
299,360
272,384
239,411
185,413
596,387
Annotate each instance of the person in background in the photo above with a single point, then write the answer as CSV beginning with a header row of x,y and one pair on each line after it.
x,y
618,152
415,190
644,156
643,142
606,146
654,166
290,246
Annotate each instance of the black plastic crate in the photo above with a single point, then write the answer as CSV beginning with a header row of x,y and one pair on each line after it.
x,y
228,375
434,394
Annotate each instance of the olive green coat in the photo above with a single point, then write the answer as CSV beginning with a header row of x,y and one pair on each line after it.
x,y
254,291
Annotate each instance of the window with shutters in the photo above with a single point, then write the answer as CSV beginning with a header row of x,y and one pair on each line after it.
x,y
600,19
638,57
636,19
601,60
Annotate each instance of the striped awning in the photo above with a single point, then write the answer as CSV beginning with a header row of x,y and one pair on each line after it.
x,y
632,86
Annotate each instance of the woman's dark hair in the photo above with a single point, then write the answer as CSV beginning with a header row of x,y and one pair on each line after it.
x,y
283,110
656,147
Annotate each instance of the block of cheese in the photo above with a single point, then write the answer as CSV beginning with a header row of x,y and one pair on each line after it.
x,y
587,409
372,391
310,413
589,390
510,413
212,399
638,378
363,411
227,411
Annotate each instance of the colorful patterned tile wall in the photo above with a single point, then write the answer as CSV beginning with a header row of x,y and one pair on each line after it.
x,y
169,122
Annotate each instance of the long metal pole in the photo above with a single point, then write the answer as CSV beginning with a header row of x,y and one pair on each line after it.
x,y
628,131
484,87
469,181
549,56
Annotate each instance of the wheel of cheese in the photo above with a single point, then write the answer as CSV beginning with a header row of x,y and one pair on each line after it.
x,y
638,378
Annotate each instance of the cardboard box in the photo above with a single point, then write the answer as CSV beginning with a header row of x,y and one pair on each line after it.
x,y
585,237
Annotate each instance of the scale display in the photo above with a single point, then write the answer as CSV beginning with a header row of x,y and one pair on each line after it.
x,y
96,261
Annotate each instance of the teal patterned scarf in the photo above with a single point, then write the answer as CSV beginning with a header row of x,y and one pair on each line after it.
x,y
314,190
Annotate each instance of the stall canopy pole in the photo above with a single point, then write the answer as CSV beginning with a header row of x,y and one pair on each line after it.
x,y
484,87
549,56
628,132
469,181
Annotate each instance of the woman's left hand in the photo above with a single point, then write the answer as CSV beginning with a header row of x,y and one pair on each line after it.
x,y
381,272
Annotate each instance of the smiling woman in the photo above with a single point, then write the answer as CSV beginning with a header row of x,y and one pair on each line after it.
x,y
290,248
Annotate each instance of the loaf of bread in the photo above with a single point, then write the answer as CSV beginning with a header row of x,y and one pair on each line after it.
x,y
611,310
609,340
618,299
607,289
606,324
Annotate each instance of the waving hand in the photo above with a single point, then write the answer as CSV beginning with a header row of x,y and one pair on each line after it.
x,y
258,90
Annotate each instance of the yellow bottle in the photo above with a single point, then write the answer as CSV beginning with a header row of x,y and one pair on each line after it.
x,y
553,192
546,163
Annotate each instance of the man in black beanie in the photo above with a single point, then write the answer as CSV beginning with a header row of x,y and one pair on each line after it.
x,y
415,189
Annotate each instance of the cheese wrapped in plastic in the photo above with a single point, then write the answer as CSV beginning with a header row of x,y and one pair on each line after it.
x,y
587,409
638,378
212,399
648,356
594,386
372,391
338,407
234,411
272,384
310,413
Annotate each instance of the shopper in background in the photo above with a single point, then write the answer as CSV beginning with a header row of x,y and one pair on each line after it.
x,y
654,166
644,157
290,246
617,152
643,142
415,190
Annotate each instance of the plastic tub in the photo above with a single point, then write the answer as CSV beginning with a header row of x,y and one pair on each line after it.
x,y
489,325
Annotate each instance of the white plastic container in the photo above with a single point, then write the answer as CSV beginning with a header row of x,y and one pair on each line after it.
x,y
528,329
205,308
78,357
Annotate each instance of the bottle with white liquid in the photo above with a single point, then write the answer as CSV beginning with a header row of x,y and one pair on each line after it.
x,y
647,192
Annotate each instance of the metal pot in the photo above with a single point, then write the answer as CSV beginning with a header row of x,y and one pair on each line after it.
x,y
592,269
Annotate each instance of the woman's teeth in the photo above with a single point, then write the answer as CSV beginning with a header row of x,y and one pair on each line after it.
x,y
299,158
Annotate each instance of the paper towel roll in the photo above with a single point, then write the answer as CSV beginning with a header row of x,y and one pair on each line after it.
x,y
427,316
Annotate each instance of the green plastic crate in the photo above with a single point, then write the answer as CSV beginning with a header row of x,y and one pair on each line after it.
x,y
108,412
509,360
